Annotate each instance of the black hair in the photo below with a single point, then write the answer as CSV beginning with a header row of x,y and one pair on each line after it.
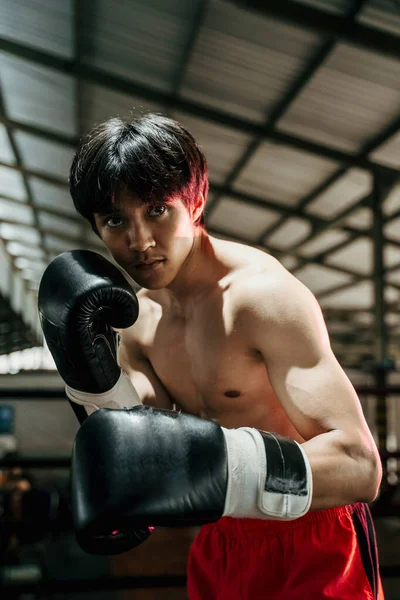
x,y
152,156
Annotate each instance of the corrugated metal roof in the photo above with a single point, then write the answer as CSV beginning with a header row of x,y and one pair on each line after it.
x,y
16,211
37,95
43,155
222,146
382,14
6,153
283,174
20,249
389,152
392,201
243,64
292,231
394,277
238,218
99,104
11,184
289,262
392,229
23,262
391,294
221,70
29,235
354,185
356,256
323,241
391,255
53,197
60,225
331,6
351,98
60,244
360,219
360,296
142,41
319,279
42,24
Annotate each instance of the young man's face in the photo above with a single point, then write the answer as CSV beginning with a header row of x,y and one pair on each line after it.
x,y
149,241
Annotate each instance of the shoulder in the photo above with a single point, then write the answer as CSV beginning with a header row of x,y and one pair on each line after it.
x,y
269,299
277,315
267,288
258,284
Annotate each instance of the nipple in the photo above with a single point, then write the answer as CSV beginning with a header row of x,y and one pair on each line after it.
x,y
232,394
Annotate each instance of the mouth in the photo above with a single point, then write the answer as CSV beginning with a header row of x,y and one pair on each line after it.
x,y
150,266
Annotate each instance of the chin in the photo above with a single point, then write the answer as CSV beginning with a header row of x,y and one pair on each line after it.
x,y
153,283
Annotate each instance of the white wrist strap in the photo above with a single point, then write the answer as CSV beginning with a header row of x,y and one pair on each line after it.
x,y
262,484
122,395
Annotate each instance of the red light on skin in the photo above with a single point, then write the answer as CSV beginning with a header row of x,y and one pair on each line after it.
x,y
151,529
116,532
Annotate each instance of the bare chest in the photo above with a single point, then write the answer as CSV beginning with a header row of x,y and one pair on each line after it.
x,y
209,370
191,362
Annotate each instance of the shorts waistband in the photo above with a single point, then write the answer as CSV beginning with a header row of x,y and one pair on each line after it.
x,y
229,525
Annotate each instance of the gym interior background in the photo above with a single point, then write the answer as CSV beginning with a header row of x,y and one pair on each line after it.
x,y
297,107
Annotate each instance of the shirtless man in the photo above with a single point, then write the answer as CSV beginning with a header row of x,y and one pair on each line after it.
x,y
223,332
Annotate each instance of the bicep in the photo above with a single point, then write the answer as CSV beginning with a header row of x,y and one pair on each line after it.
x,y
316,395
140,371
304,373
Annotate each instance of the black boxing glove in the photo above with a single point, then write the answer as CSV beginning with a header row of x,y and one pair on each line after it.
x,y
131,467
82,297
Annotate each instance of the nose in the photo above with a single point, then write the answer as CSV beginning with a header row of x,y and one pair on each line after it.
x,y
140,237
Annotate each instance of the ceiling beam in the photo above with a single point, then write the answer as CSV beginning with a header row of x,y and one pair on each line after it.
x,y
335,26
192,35
67,238
292,92
368,147
19,165
45,134
320,258
169,101
345,286
52,179
75,219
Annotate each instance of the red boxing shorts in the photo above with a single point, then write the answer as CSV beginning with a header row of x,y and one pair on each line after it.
x,y
325,554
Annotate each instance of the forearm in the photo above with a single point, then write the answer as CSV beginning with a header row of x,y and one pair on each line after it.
x,y
343,471
168,468
144,379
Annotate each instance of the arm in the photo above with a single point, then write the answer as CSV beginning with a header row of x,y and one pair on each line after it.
x,y
140,371
82,299
289,331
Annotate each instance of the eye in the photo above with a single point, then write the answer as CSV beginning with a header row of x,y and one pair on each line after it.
x,y
114,221
156,210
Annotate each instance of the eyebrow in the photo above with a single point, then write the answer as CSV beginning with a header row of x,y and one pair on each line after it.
x,y
109,211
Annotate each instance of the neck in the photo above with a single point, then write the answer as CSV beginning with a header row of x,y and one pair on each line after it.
x,y
198,276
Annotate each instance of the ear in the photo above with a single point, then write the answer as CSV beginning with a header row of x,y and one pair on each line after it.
x,y
198,208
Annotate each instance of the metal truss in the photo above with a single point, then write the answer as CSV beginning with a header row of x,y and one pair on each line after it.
x,y
333,29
